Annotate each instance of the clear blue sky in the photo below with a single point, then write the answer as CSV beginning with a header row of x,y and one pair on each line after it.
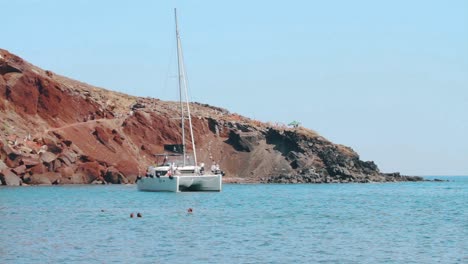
x,y
388,78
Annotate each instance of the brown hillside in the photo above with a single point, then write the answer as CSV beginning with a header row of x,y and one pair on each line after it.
x,y
55,130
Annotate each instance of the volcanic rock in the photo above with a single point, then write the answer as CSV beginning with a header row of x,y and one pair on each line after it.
x,y
66,172
90,171
68,157
70,177
30,161
46,178
129,170
2,165
7,177
20,169
243,141
48,157
13,160
59,130
115,176
38,169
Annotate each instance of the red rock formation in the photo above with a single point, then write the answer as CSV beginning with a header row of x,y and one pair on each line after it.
x,y
7,177
55,130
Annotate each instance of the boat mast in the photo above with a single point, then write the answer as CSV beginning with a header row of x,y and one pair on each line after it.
x,y
189,116
183,85
180,74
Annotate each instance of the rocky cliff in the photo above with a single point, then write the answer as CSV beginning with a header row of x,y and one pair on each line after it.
x,y
55,130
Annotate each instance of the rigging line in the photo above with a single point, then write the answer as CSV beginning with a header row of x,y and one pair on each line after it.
x,y
190,97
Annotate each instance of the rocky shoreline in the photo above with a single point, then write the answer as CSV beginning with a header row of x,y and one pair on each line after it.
x,y
316,178
56,130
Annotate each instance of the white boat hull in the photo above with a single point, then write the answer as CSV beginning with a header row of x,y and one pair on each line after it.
x,y
181,183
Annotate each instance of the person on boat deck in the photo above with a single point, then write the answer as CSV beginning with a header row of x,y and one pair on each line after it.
x,y
213,167
202,168
166,162
171,168
217,167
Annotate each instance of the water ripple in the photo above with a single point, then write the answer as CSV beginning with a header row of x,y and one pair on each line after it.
x,y
335,223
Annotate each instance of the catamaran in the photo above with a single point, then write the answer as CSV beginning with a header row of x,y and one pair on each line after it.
x,y
177,170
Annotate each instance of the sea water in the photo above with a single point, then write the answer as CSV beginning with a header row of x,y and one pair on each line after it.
x,y
421,222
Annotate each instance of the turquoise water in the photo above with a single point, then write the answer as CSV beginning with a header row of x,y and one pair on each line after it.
x,y
422,222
